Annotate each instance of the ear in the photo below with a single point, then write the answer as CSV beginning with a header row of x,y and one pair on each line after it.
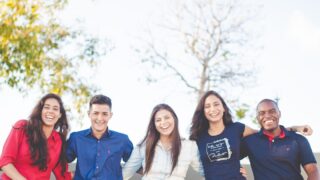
x,y
279,114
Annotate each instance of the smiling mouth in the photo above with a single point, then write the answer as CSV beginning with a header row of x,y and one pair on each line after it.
x,y
49,118
267,122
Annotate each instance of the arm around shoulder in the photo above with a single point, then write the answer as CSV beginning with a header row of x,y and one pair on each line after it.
x,y
196,163
71,148
312,171
248,131
127,149
134,163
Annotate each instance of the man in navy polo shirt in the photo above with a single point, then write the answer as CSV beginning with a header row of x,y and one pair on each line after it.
x,y
276,153
99,150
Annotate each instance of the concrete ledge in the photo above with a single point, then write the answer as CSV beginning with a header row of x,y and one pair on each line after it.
x,y
192,175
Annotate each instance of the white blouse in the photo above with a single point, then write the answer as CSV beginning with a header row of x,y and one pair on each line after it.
x,y
161,165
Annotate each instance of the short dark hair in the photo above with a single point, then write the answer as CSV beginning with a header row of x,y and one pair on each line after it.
x,y
267,100
100,99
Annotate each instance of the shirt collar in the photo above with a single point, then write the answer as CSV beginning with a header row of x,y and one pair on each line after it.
x,y
105,135
54,135
283,134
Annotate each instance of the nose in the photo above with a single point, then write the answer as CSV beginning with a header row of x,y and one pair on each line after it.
x,y
100,117
163,122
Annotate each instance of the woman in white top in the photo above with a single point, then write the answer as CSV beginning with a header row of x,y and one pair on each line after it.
x,y
163,154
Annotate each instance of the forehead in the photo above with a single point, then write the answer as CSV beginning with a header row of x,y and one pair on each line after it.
x,y
212,98
162,112
52,102
100,107
267,105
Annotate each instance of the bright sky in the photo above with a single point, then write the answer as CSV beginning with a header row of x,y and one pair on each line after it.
x,y
289,66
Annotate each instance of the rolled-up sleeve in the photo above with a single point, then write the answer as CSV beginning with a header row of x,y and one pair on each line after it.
x,y
11,146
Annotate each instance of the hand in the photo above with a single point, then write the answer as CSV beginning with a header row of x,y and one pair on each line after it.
x,y
305,130
243,172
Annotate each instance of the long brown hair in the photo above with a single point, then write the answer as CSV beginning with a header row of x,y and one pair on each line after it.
x,y
152,137
36,138
199,121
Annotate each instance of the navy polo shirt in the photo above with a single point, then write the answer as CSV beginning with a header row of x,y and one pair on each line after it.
x,y
277,158
98,158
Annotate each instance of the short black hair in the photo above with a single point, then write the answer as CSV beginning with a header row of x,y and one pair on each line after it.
x,y
268,100
100,99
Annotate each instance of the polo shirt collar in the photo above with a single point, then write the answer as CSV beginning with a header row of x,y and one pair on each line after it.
x,y
105,135
284,133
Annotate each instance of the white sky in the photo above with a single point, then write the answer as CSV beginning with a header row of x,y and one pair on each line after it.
x,y
289,67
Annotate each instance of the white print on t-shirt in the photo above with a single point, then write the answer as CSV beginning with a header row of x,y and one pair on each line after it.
x,y
219,150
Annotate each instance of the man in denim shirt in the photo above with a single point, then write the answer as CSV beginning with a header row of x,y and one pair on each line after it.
x,y
98,149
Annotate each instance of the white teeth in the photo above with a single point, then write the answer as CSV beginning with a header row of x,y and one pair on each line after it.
x,y
213,114
268,122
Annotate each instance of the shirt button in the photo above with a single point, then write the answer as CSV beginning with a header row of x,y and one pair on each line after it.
x,y
98,141
98,154
97,167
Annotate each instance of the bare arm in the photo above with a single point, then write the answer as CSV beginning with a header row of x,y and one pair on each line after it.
x,y
312,171
304,129
12,172
248,131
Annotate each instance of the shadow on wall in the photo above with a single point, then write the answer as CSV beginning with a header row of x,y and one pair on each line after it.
x,y
192,175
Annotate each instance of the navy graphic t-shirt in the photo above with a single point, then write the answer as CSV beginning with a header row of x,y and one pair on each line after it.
x,y
220,155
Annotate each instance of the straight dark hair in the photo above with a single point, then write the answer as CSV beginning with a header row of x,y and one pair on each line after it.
x,y
36,138
152,137
200,123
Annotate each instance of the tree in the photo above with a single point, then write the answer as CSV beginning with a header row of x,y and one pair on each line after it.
x,y
210,38
37,51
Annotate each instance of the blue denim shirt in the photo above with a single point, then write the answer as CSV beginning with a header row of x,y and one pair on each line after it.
x,y
98,158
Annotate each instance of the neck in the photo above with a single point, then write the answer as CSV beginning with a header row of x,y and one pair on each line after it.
x,y
47,130
274,132
166,141
98,134
216,128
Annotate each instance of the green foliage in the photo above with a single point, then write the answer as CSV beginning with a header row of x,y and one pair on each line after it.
x,y
36,51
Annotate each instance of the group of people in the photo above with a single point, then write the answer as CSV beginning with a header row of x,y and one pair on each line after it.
x,y
39,146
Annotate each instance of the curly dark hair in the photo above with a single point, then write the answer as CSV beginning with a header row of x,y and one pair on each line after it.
x,y
36,137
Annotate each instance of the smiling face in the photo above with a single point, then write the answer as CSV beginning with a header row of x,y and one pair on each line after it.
x,y
213,109
164,122
99,114
268,115
50,113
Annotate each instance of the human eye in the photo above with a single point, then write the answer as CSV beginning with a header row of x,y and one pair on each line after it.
x,y
56,108
272,111
261,113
